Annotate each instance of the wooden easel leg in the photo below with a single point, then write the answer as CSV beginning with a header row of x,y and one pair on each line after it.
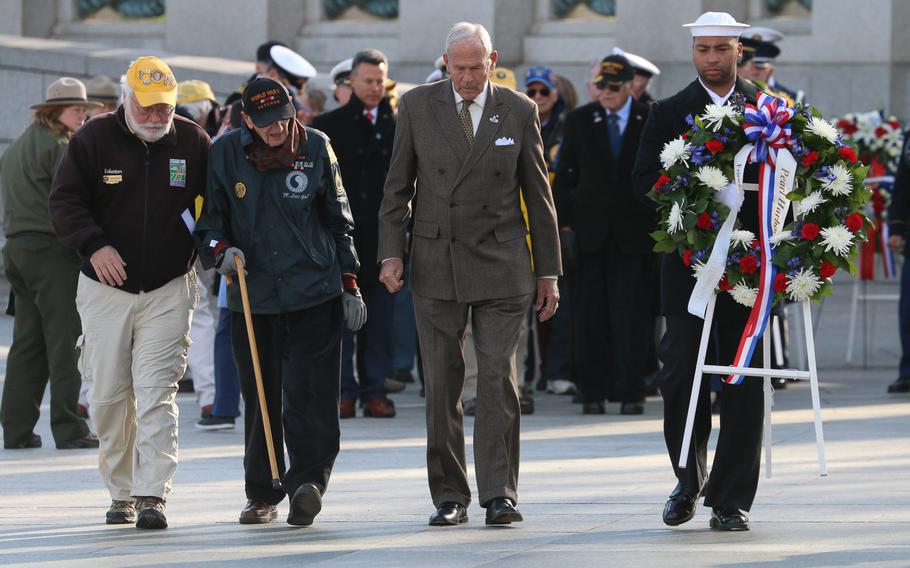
x,y
766,353
813,383
696,382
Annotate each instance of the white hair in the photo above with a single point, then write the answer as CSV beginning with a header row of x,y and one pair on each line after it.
x,y
199,110
146,133
466,31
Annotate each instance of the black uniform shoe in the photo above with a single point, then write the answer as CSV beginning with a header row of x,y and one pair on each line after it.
x,y
680,507
728,519
88,441
526,404
501,511
449,514
632,408
305,505
31,441
901,385
593,408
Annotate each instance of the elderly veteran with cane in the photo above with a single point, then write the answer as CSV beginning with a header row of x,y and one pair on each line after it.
x,y
276,208
123,198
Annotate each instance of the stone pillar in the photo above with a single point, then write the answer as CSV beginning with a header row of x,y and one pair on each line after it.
x,y
35,18
230,28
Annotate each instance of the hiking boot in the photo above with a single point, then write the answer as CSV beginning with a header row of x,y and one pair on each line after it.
x,y
216,423
121,513
151,513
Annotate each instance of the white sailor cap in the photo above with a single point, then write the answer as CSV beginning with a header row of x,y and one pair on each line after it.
x,y
641,65
764,34
292,62
341,71
715,24
436,75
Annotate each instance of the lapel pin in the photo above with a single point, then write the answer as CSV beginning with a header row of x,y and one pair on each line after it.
x,y
597,117
494,119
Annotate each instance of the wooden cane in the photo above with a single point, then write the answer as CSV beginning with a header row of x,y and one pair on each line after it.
x,y
257,373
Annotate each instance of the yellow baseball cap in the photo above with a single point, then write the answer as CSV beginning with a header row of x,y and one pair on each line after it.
x,y
152,81
504,77
194,90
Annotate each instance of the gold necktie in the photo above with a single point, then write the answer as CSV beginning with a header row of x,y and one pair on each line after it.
x,y
466,124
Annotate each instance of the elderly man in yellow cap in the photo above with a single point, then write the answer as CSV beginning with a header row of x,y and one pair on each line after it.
x,y
125,197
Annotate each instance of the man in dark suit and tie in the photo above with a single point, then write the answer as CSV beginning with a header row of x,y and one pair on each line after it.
x,y
466,149
595,198
731,487
362,132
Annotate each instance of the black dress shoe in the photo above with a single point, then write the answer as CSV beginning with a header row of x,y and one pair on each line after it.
x,y
526,404
680,507
728,519
593,408
31,441
901,385
305,505
501,511
632,408
449,514
85,442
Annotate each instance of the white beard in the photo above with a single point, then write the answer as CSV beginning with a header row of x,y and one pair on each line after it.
x,y
144,132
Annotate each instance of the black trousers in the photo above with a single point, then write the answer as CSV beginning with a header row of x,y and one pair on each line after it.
x,y
300,357
737,458
615,303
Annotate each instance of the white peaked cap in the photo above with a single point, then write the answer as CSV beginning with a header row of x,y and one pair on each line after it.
x,y
343,67
292,62
765,34
714,24
638,62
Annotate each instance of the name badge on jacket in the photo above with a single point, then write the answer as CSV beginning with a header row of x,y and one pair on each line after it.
x,y
178,173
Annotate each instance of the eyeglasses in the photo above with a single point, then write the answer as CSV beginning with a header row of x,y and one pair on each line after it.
x,y
544,92
163,111
614,87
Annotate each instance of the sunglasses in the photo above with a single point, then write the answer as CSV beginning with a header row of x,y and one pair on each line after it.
x,y
544,92
614,87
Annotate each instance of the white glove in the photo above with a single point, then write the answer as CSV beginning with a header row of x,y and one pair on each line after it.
x,y
355,311
731,196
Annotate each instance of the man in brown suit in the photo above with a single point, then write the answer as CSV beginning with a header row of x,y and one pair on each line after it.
x,y
471,147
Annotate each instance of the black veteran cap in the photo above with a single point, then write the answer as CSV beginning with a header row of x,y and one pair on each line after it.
x,y
613,69
266,101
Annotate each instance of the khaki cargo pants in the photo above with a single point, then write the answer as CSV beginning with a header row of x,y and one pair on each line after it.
x,y
133,353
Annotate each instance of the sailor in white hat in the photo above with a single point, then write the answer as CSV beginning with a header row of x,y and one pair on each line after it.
x,y
644,71
289,67
340,75
733,480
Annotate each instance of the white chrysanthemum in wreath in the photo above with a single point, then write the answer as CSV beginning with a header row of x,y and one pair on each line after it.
x,y
803,285
809,203
842,183
674,152
783,236
838,239
715,114
712,177
744,295
675,219
823,128
742,238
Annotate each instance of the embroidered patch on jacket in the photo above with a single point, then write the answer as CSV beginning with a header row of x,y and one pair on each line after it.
x,y
178,173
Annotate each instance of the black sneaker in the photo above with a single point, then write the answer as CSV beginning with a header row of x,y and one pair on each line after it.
x,y
212,422
121,513
151,513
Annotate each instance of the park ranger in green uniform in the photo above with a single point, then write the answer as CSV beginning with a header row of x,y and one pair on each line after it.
x,y
275,200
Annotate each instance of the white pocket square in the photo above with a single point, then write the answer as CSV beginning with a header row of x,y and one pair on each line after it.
x,y
505,142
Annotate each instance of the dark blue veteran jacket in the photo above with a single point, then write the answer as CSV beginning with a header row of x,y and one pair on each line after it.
x,y
293,224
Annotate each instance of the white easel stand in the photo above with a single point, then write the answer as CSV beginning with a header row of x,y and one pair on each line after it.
x,y
766,373
860,295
